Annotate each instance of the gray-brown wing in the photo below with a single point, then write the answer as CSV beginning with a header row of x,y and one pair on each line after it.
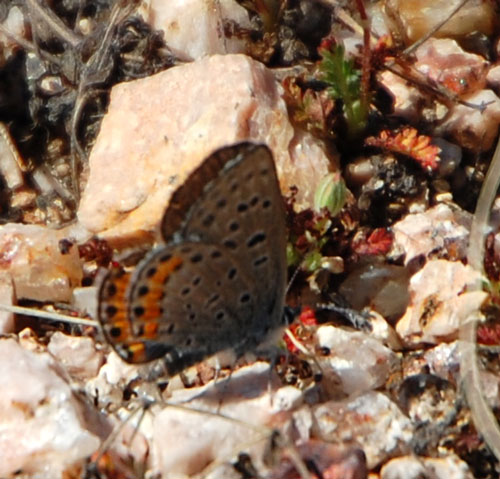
x,y
184,302
238,206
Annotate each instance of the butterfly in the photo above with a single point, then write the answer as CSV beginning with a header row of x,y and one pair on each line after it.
x,y
218,282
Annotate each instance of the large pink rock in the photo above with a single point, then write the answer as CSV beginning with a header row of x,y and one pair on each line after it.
x,y
159,129
44,428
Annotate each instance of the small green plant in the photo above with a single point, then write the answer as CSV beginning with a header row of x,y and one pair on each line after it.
x,y
313,227
330,194
344,83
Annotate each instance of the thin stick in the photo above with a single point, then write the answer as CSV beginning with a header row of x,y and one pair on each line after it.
x,y
55,23
28,46
366,57
48,315
484,419
434,29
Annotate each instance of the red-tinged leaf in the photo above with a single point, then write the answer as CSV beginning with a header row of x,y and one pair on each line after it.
x,y
308,316
299,329
379,242
410,143
328,43
489,334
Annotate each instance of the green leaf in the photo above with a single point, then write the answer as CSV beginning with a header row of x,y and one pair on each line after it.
x,y
344,83
330,194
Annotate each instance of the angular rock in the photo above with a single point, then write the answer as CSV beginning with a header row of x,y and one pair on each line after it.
x,y
195,28
413,467
159,129
439,302
7,298
437,230
358,373
39,270
186,442
44,429
77,354
418,17
371,421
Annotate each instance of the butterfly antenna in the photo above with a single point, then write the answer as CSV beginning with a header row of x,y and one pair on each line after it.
x,y
105,446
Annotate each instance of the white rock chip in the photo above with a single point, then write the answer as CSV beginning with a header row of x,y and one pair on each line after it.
x,y
438,302
444,361
31,256
42,425
413,467
357,372
158,130
195,28
472,127
186,442
436,230
17,27
86,299
77,354
365,421
9,160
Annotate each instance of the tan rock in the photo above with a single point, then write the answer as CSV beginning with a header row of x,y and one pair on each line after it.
x,y
186,441
417,17
439,302
469,113
159,129
357,373
474,127
9,160
435,231
444,62
31,256
413,467
77,354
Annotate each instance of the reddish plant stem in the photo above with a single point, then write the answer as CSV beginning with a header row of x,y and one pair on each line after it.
x,y
366,58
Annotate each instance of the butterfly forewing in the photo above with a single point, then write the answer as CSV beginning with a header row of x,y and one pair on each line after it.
x,y
242,210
